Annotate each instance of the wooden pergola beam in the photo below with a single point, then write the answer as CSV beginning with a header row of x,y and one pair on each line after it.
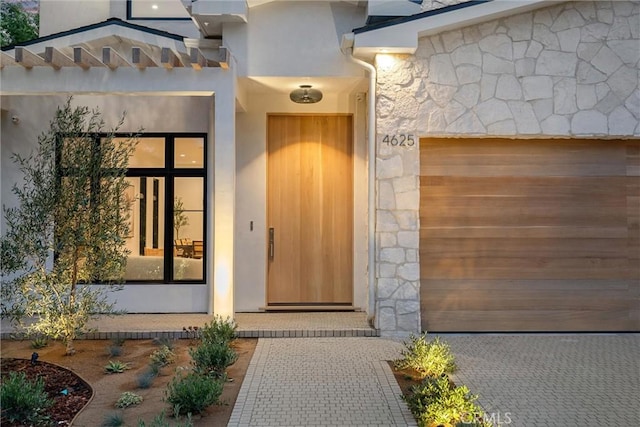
x,y
6,59
224,57
169,59
112,59
28,59
197,59
83,58
141,59
57,59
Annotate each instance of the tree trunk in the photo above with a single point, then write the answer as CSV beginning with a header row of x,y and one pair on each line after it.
x,y
70,348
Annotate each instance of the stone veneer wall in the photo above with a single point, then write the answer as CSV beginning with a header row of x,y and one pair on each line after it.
x,y
438,4
564,71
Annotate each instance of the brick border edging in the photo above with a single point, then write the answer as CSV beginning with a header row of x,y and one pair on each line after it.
x,y
293,333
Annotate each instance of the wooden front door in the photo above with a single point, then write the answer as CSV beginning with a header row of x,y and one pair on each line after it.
x,y
310,210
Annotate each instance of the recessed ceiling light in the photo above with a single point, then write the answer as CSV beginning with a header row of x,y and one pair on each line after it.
x,y
193,161
183,155
154,6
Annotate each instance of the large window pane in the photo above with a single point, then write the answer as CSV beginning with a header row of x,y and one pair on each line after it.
x,y
149,153
162,9
189,153
146,196
188,228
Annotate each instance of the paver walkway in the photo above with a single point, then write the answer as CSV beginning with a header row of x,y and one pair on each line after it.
x,y
321,382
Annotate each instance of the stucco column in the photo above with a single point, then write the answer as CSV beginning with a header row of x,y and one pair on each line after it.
x,y
223,192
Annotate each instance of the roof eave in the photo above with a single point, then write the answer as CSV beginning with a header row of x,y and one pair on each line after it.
x,y
401,36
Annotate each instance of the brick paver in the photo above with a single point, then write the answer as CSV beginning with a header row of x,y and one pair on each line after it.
x,y
321,382
552,380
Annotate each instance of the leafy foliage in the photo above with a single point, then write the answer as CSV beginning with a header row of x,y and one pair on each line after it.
x,y
436,401
192,393
69,227
127,399
180,219
211,358
163,356
116,367
429,358
16,24
219,330
24,401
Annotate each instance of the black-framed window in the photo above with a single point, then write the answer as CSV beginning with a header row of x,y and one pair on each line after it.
x,y
166,194
157,10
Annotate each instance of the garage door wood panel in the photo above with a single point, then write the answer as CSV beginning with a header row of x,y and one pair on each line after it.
x,y
530,235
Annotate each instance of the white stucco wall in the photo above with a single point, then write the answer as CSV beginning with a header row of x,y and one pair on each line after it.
x,y
251,200
294,38
63,15
569,70
150,113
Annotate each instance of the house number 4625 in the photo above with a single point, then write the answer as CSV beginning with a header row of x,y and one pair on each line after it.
x,y
399,140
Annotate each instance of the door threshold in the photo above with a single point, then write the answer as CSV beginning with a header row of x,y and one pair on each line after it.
x,y
302,307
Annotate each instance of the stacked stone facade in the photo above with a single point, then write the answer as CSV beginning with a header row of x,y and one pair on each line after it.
x,y
570,70
438,4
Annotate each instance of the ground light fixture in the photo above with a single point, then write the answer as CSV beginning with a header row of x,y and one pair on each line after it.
x,y
305,95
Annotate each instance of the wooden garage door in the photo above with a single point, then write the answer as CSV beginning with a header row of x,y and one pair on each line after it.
x,y
530,235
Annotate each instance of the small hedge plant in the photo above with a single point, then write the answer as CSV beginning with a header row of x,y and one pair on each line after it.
x,y
24,401
428,358
212,358
163,356
436,401
192,393
219,330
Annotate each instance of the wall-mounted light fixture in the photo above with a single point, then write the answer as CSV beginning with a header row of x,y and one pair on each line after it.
x,y
305,95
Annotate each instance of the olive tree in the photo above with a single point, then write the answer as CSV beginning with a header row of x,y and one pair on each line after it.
x,y
16,24
64,250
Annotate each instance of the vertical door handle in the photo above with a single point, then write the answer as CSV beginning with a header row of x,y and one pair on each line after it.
x,y
272,243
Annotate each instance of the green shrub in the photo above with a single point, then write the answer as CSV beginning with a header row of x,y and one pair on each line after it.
x,y
161,421
163,356
211,358
192,393
127,399
437,401
24,401
429,358
219,330
116,367
113,419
